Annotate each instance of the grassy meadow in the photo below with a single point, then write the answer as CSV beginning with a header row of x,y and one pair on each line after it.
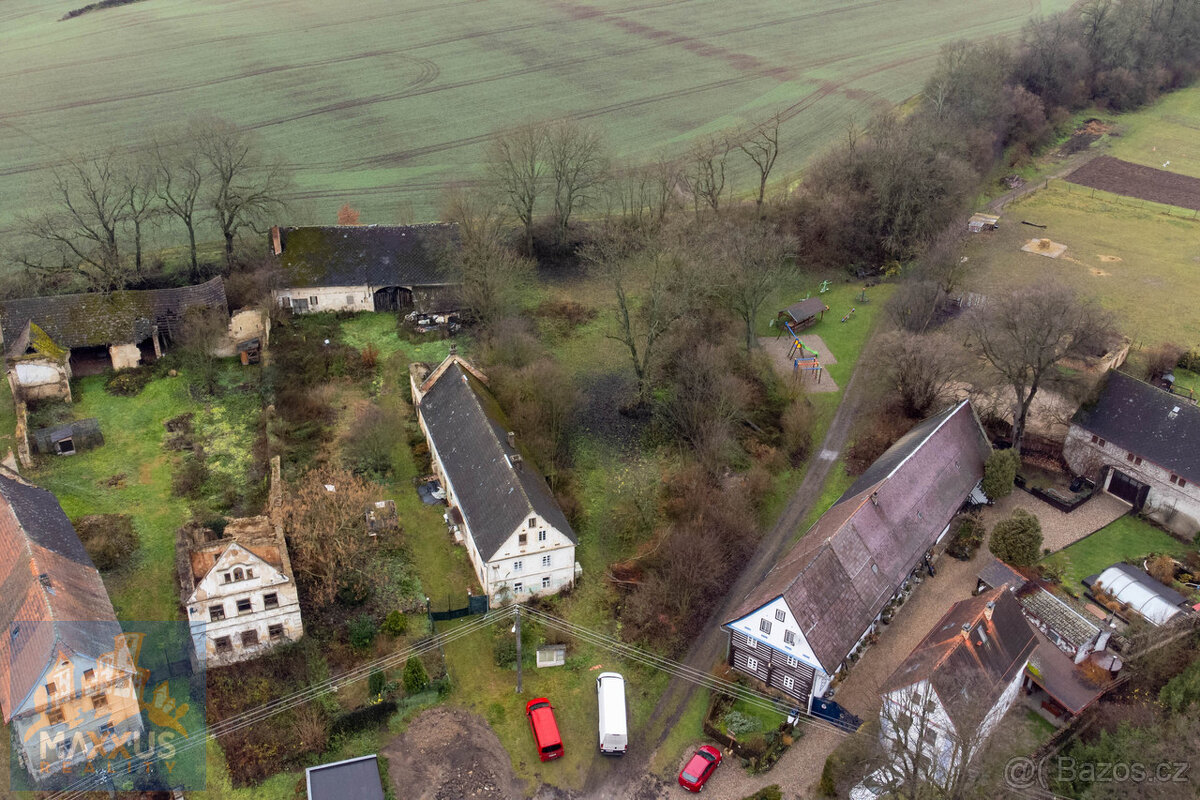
x,y
1137,262
1127,537
382,103
1168,130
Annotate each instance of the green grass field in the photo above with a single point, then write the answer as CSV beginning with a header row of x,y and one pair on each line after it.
x,y
382,103
1169,130
1138,263
1128,537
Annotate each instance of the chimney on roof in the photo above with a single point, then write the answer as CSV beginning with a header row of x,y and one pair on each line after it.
x,y
512,440
875,498
276,244
1174,413
989,609
517,461
966,631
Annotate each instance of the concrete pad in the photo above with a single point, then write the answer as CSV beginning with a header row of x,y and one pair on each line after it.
x,y
1044,247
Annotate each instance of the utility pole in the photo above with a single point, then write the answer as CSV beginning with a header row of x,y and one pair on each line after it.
x,y
517,629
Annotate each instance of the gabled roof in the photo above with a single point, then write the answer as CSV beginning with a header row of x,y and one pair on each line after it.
x,y
808,307
51,596
838,577
970,672
1060,677
1153,423
995,573
352,779
100,319
365,255
495,493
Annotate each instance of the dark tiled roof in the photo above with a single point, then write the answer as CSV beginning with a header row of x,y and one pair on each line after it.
x,y
1057,674
68,609
996,573
806,308
353,779
366,255
838,577
97,319
970,673
904,447
470,436
1138,417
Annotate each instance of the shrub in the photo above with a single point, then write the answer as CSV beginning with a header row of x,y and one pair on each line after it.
x,y
376,683
827,787
128,382
1162,360
370,356
354,590
1162,568
396,624
192,473
737,723
362,631
1018,539
504,651
373,437
363,718
1053,571
108,538
1183,690
797,425
772,792
968,535
1000,472
416,679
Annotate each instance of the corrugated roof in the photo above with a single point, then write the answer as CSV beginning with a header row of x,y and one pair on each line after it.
x,y
366,255
838,577
51,595
969,673
100,319
470,436
1150,422
1145,595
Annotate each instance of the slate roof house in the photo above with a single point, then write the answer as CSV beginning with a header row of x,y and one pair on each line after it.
x,y
67,679
797,629
948,695
363,267
1141,444
352,779
516,536
115,330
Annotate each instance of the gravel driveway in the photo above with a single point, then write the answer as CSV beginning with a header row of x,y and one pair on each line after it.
x,y
1059,529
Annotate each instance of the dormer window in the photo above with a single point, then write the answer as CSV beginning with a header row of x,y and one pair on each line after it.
x,y
238,575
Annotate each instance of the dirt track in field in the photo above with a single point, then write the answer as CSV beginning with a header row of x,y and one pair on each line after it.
x,y
1134,180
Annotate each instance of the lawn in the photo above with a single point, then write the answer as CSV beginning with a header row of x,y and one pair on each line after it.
x,y
1139,264
384,104
1127,538
1165,131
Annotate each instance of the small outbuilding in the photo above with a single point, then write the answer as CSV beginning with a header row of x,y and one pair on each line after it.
x,y
68,439
804,313
352,779
983,222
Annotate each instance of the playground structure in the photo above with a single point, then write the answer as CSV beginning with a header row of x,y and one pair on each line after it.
x,y
801,361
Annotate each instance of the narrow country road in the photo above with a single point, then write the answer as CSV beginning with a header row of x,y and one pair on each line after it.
x,y
707,649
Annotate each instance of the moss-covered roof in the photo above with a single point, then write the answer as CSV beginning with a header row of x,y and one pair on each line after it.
x,y
366,255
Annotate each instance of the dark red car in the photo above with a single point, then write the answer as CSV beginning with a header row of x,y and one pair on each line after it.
x,y
699,768
544,727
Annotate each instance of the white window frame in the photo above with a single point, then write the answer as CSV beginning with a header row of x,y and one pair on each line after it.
x,y
752,663
789,682
764,625
780,615
518,587
789,637
545,581
541,536
546,560
792,661
518,565
751,643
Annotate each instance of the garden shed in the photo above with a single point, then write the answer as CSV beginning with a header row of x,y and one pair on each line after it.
x,y
804,313
66,440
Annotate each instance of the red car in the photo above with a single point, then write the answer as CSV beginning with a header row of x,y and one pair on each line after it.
x,y
544,727
699,768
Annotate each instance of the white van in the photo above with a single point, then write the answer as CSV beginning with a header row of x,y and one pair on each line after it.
x,y
610,695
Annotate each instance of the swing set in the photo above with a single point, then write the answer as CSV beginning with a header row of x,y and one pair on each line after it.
x,y
802,361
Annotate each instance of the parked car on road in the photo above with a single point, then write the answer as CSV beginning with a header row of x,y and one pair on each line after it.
x,y
699,768
610,697
544,727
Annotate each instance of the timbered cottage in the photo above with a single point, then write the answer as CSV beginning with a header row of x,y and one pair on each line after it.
x,y
797,629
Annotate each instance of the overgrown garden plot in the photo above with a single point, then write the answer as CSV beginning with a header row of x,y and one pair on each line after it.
x,y
1136,180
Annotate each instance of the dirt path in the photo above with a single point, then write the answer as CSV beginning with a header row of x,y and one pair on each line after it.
x,y
1069,165
631,781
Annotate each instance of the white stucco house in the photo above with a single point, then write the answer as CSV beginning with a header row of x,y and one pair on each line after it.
x,y
947,697
239,591
518,539
1141,444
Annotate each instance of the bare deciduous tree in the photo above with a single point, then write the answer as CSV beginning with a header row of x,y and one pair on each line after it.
x,y
180,178
651,297
1027,335
327,530
922,370
79,236
493,278
706,170
643,195
750,260
139,187
516,163
245,187
478,213
577,165
761,145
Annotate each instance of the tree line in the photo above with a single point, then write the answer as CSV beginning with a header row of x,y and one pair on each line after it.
x,y
100,208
